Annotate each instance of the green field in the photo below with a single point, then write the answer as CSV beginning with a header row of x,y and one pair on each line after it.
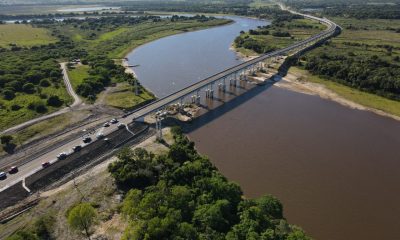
x,y
11,117
124,97
24,35
47,127
357,96
77,74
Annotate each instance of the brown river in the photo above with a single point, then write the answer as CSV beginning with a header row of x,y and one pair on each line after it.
x,y
335,169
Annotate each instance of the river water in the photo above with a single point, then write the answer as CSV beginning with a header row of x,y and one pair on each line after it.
x,y
336,170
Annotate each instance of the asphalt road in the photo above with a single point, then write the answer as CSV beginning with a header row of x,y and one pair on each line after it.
x,y
36,165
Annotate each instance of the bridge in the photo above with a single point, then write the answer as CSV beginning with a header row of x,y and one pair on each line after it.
x,y
231,76
235,73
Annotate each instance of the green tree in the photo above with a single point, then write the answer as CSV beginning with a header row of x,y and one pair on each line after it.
x,y
28,88
54,101
8,94
23,235
6,139
82,217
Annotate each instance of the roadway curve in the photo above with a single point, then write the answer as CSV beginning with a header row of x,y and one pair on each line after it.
x,y
35,165
77,102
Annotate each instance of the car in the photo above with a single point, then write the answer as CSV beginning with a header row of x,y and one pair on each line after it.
x,y
61,156
120,125
3,175
13,169
107,124
100,136
77,148
114,121
86,139
45,164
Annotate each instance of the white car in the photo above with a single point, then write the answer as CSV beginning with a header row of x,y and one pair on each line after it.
x,y
100,136
113,121
120,125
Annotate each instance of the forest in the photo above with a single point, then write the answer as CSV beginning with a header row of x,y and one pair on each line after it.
x,y
368,73
181,195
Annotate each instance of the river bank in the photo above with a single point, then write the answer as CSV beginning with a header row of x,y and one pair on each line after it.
x,y
301,81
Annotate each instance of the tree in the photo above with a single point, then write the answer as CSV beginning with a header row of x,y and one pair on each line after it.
x,y
28,88
8,94
6,139
54,101
44,83
82,217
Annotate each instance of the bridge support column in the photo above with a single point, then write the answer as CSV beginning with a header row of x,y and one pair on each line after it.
x,y
158,128
212,90
198,98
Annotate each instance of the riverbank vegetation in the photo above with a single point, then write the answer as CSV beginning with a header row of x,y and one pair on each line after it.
x,y
181,195
172,194
280,34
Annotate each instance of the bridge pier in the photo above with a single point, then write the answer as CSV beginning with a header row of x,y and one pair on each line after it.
x,y
198,98
159,136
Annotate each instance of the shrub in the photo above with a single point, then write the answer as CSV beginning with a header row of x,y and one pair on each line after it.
x,y
15,107
44,83
8,94
54,101
28,88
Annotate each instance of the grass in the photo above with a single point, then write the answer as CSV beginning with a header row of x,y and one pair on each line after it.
x,y
366,99
78,74
11,118
371,33
24,35
262,3
118,43
47,127
124,97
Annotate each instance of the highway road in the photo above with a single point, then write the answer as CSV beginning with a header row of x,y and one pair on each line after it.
x,y
35,165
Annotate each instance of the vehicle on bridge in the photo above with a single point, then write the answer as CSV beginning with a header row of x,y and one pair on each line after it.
x,y
13,169
100,136
77,148
62,156
45,164
86,139
3,175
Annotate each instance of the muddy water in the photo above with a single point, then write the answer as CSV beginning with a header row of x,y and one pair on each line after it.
x,y
336,170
